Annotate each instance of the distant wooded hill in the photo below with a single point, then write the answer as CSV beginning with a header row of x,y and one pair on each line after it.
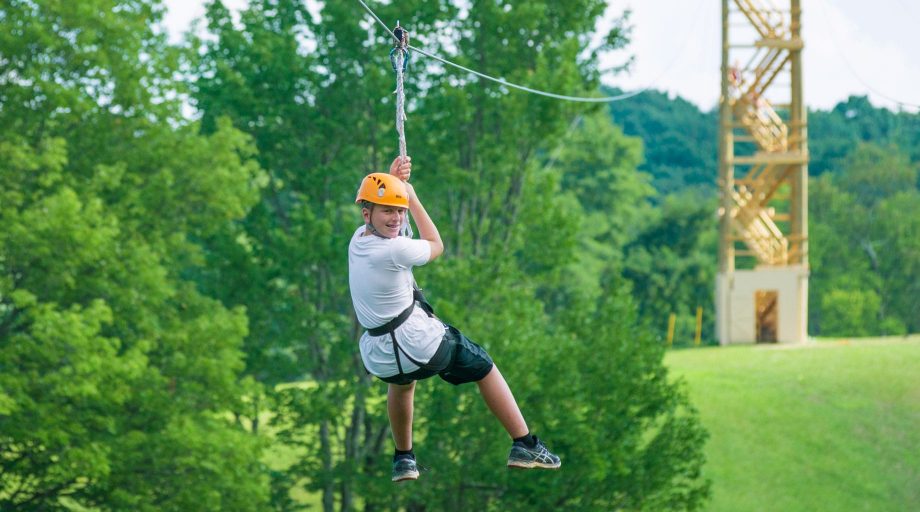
x,y
681,141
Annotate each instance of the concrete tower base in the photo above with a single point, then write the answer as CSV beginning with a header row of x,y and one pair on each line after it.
x,y
764,305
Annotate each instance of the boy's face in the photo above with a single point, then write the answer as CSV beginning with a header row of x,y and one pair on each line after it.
x,y
387,220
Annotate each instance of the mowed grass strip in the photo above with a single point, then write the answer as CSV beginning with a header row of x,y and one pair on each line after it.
x,y
829,425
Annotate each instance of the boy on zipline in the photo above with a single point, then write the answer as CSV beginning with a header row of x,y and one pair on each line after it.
x,y
404,343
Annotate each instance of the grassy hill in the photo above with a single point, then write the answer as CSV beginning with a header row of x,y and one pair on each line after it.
x,y
831,425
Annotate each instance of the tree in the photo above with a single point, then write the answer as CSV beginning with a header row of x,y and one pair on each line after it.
x,y
316,118
901,246
671,262
117,373
679,140
849,312
863,220
315,95
835,265
832,135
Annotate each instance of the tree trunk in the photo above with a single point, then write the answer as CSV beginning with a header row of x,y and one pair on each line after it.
x,y
326,456
353,440
256,403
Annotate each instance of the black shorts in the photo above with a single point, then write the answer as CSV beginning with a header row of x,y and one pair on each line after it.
x,y
468,362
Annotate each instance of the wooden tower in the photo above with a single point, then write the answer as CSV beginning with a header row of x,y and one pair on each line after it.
x,y
762,284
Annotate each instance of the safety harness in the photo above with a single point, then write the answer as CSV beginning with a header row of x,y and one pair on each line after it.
x,y
440,358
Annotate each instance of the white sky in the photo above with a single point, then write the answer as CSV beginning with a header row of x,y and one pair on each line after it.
x,y
851,47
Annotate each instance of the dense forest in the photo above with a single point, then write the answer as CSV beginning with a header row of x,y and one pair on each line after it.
x,y
176,332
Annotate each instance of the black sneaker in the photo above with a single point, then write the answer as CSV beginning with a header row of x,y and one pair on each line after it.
x,y
522,456
404,468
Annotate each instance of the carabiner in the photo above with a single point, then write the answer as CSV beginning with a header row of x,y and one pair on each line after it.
x,y
405,62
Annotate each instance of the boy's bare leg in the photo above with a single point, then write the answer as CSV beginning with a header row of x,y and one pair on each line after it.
x,y
498,397
400,406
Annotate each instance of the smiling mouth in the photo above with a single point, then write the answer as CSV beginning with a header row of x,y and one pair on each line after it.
x,y
390,230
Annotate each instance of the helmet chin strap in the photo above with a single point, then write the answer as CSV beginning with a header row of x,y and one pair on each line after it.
x,y
370,228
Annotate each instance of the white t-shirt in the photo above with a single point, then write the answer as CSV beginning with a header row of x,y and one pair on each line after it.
x,y
380,278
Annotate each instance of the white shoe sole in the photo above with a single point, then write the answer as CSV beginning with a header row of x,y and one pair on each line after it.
x,y
523,464
410,476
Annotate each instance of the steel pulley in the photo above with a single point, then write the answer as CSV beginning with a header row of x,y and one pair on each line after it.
x,y
400,45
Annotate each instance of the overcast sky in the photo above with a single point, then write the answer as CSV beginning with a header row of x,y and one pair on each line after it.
x,y
850,48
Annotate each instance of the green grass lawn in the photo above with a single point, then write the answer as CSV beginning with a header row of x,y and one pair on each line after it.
x,y
830,425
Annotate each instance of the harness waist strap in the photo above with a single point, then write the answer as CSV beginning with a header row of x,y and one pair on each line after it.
x,y
394,323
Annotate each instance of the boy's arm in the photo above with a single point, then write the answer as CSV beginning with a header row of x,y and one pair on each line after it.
x,y
402,169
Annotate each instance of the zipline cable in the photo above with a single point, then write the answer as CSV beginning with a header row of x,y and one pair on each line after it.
x,y
603,99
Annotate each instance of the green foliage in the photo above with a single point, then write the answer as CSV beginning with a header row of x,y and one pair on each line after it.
x,y
657,464
671,263
680,141
849,312
873,173
517,196
117,373
901,264
833,134
162,280
666,253
583,231
283,262
864,252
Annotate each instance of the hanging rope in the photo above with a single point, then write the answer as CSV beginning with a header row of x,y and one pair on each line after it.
x,y
399,58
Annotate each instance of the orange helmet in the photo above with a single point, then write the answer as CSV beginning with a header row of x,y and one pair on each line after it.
x,y
383,189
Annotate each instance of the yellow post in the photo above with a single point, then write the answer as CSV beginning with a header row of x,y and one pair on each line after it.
x,y
672,318
699,325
